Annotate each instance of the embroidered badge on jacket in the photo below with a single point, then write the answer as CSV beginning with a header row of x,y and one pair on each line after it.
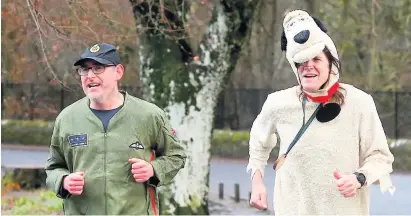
x,y
78,140
136,145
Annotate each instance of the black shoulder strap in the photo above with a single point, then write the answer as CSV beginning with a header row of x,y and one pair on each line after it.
x,y
303,127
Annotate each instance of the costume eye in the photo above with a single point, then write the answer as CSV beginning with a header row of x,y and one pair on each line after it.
x,y
302,19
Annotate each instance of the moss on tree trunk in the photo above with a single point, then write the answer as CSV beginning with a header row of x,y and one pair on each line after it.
x,y
187,87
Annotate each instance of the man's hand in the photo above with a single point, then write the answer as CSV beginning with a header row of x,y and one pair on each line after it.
x,y
347,184
258,192
141,169
74,183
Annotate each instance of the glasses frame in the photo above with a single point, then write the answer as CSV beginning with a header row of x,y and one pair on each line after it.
x,y
82,71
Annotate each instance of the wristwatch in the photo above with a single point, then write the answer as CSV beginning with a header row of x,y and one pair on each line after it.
x,y
360,178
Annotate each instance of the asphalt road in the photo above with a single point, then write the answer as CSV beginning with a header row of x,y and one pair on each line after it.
x,y
230,172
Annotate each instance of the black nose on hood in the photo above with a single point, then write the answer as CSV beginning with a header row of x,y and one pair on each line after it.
x,y
302,36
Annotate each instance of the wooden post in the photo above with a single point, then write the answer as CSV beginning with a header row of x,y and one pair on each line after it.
x,y
237,192
221,191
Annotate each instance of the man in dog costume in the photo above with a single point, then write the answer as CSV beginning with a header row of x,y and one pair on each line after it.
x,y
332,143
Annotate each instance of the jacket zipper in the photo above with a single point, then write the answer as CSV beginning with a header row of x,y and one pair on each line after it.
x,y
105,172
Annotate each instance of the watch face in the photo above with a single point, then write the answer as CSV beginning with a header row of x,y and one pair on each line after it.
x,y
360,178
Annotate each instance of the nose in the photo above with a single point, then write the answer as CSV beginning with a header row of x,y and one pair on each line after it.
x,y
302,36
90,73
309,63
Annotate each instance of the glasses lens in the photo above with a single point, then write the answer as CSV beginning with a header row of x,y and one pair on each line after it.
x,y
98,69
82,71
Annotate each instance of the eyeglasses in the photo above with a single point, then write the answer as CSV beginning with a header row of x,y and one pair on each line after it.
x,y
97,69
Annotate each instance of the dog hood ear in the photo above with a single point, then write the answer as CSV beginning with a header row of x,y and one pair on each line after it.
x,y
320,24
283,42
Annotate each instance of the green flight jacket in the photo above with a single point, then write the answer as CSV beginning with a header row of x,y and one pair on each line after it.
x,y
80,144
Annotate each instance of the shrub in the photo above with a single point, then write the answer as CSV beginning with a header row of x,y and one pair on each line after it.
x,y
27,202
8,185
227,143
38,202
36,132
402,158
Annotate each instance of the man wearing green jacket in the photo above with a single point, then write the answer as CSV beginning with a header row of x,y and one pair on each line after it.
x,y
110,151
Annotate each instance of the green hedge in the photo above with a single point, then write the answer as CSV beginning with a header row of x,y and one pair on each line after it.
x,y
225,143
25,132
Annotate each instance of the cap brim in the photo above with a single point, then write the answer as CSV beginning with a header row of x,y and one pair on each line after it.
x,y
97,59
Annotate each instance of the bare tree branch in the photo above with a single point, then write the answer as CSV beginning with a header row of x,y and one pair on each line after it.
x,y
81,21
42,44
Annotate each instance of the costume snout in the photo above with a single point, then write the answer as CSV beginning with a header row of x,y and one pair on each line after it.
x,y
302,36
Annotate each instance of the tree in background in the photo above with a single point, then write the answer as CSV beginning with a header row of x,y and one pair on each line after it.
x,y
185,77
41,40
373,38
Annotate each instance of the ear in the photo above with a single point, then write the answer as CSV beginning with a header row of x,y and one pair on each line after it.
x,y
119,72
320,24
283,42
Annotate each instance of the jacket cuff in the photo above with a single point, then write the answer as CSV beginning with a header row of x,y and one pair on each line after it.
x,y
63,193
156,179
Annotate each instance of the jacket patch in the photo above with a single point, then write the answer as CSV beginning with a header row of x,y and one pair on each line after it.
x,y
137,145
78,140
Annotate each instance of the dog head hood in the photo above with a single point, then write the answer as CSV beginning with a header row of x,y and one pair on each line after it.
x,y
303,38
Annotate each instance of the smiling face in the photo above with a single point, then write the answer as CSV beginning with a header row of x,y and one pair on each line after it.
x,y
314,72
99,87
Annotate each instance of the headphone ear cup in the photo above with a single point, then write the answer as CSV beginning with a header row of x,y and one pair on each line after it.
x,y
328,112
283,42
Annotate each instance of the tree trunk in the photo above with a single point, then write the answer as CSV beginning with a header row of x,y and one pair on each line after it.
x,y
188,88
372,49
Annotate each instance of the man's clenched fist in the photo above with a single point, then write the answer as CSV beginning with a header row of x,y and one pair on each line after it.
x,y
141,169
74,183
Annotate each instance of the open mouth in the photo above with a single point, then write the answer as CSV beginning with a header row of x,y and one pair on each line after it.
x,y
310,76
93,85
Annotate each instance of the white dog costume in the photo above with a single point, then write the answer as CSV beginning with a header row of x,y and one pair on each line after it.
x,y
352,141
304,37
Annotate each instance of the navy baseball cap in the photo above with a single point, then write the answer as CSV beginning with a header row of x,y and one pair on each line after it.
x,y
102,53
